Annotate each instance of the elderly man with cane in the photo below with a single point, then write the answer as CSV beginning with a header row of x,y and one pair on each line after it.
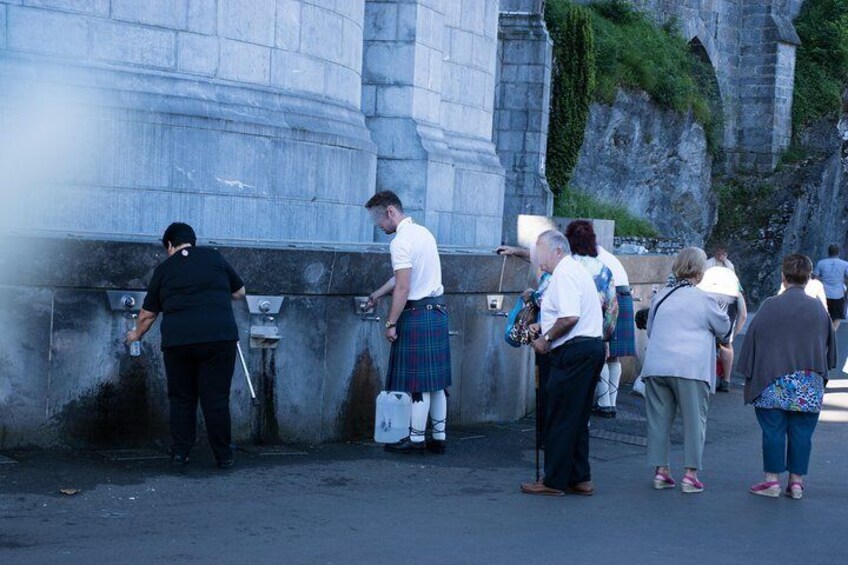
x,y
417,326
570,333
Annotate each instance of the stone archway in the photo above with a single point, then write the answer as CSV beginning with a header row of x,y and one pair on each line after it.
x,y
706,75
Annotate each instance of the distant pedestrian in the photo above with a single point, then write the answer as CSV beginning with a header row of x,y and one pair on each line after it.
x,y
193,289
719,259
788,350
722,284
570,334
833,273
680,367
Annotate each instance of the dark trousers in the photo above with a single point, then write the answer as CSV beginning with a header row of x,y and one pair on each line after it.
x,y
779,426
204,371
575,371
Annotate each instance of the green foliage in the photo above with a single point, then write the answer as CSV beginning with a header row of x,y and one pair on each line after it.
x,y
793,154
821,64
633,52
574,204
573,84
597,50
742,206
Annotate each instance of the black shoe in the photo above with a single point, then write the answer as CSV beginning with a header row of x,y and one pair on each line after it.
x,y
438,446
179,460
225,463
407,446
723,386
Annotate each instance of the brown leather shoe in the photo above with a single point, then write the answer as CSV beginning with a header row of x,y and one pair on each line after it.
x,y
539,488
582,489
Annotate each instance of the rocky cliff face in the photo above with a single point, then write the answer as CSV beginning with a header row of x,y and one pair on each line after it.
x,y
654,162
802,208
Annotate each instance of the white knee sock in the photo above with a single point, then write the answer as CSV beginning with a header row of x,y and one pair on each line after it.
x,y
439,414
602,392
614,381
420,410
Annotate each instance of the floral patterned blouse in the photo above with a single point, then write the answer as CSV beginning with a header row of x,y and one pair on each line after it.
x,y
801,391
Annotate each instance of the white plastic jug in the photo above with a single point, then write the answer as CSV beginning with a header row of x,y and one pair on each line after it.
x,y
392,417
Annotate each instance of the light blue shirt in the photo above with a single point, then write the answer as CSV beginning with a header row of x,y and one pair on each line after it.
x,y
833,273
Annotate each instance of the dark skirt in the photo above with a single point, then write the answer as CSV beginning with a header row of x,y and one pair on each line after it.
x,y
420,359
623,342
836,308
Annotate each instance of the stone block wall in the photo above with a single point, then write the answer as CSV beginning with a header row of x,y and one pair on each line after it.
x,y
522,102
468,79
428,91
241,117
751,46
67,381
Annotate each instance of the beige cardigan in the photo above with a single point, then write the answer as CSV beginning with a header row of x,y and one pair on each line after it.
x,y
682,334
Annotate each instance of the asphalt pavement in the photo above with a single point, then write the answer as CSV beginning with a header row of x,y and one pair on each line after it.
x,y
354,503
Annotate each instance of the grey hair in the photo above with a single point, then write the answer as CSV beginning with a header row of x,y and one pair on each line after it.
x,y
554,240
690,263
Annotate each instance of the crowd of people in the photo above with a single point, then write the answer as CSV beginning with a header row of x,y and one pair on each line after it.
x,y
789,349
585,326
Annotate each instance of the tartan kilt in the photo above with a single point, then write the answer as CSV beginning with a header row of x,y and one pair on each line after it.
x,y
420,359
623,342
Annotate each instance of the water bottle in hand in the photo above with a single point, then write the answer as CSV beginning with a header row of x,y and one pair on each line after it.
x,y
135,348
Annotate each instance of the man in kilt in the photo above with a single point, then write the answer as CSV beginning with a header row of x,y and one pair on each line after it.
x,y
417,325
623,342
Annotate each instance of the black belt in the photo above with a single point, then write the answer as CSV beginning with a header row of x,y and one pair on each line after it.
x,y
578,339
429,301
623,290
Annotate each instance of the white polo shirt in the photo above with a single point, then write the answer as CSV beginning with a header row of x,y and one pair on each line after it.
x,y
619,275
414,247
571,293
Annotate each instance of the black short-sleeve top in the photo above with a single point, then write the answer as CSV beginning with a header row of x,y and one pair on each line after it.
x,y
193,291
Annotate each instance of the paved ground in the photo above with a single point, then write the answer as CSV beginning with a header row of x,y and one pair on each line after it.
x,y
356,504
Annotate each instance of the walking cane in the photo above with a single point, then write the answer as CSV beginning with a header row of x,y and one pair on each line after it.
x,y
538,425
253,400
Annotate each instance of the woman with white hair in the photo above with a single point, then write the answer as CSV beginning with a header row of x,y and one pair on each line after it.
x,y
680,367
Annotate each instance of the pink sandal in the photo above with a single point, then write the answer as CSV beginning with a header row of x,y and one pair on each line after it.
x,y
795,490
692,485
768,488
663,481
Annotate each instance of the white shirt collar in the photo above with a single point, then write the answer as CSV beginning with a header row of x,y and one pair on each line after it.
x,y
561,265
407,221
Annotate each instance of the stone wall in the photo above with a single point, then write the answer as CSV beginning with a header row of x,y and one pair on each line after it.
x,y
271,120
652,162
802,209
428,98
522,111
66,379
239,116
751,45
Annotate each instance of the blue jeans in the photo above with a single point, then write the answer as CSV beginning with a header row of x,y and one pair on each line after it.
x,y
780,425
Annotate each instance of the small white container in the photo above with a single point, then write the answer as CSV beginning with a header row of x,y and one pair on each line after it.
x,y
392,417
